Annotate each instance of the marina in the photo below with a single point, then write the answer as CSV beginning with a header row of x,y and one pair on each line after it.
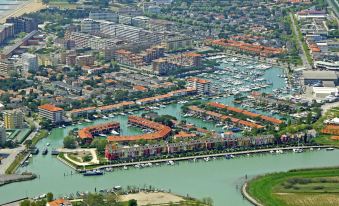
x,y
171,173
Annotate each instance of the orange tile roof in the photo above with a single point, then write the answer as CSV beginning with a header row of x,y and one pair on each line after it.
x,y
50,107
116,106
161,131
198,80
183,134
335,138
331,129
88,132
82,110
245,112
140,88
59,202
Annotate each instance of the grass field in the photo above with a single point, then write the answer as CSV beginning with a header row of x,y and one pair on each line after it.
x,y
307,187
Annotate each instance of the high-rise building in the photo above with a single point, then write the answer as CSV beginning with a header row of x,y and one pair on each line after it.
x,y
201,85
23,24
2,136
51,112
6,68
29,62
6,31
13,119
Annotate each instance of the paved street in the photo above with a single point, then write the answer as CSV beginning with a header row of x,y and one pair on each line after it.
x,y
303,55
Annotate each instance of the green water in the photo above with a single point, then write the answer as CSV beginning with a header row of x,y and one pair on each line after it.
x,y
218,179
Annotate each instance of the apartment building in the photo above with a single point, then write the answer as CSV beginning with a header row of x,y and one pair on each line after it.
x,y
6,31
201,85
23,24
51,112
6,68
29,62
85,60
13,119
3,137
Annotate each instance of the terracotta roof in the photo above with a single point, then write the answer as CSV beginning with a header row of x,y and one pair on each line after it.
x,y
161,131
82,110
59,202
50,107
88,132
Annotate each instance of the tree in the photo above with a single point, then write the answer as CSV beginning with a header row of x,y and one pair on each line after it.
x,y
49,197
46,123
94,200
99,144
69,142
132,202
25,203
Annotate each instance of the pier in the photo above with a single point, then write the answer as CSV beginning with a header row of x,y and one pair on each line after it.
x,y
258,151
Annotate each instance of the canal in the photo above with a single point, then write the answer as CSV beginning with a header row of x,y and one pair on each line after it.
x,y
219,179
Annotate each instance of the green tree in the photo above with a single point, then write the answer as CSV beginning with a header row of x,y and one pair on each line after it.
x,y
49,197
94,200
69,142
25,203
132,202
99,144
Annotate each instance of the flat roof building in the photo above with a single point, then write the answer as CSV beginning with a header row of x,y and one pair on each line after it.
x,y
51,112
13,119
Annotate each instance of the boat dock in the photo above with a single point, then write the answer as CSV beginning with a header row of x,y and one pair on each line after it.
x,y
258,151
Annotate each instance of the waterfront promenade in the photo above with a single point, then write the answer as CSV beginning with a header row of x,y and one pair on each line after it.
x,y
258,151
247,196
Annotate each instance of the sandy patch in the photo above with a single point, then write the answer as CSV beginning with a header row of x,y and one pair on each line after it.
x,y
152,198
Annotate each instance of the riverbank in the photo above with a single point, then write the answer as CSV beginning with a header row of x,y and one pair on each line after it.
x,y
194,157
311,187
7,179
23,8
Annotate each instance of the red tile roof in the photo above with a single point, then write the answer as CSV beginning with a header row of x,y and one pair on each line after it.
x,y
50,107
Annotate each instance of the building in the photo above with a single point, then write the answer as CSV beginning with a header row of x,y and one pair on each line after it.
x,y
29,62
107,16
13,119
6,31
140,21
314,14
3,137
323,92
51,112
128,33
89,26
6,68
201,85
85,60
321,78
23,24
59,202
178,43
327,65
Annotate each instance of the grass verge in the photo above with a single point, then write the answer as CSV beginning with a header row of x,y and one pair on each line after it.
x,y
268,190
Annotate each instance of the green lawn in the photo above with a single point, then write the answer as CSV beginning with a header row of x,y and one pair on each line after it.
x,y
39,136
326,140
297,187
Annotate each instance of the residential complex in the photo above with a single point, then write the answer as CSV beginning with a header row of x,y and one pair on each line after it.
x,y
51,112
13,119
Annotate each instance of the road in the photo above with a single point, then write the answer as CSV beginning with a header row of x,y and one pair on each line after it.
x,y
303,55
334,8
328,106
5,163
